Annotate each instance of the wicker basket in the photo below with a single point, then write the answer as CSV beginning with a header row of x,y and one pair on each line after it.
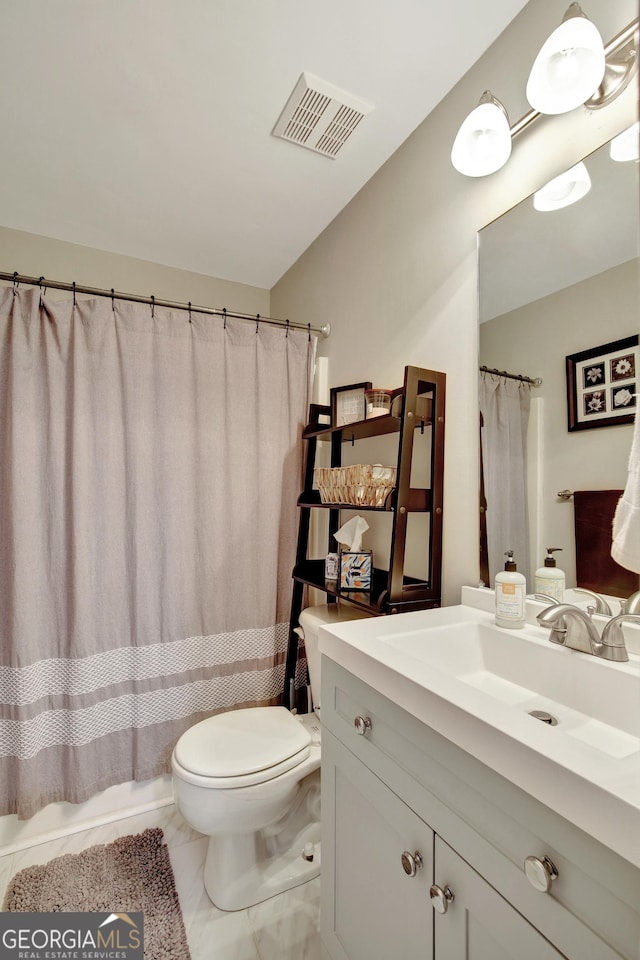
x,y
360,485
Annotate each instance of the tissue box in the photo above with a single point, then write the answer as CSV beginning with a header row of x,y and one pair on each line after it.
x,y
355,569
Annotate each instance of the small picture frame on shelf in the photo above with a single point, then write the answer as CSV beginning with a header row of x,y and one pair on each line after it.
x,y
348,403
602,385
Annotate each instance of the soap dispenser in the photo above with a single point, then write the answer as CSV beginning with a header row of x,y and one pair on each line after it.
x,y
549,578
510,589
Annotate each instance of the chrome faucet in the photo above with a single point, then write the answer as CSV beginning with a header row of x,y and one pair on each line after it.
x,y
631,604
572,627
601,604
543,596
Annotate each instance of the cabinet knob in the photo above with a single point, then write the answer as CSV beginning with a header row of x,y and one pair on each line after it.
x,y
440,899
540,873
411,862
362,724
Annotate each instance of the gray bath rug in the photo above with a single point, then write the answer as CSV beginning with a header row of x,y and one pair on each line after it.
x,y
131,874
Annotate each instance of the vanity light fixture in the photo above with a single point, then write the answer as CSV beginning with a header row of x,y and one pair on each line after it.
x,y
570,66
483,142
626,146
565,65
563,190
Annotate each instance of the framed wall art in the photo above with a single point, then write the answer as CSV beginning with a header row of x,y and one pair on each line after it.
x,y
348,404
602,384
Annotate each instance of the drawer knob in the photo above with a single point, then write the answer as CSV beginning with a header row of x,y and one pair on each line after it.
x,y
440,899
411,862
362,724
540,873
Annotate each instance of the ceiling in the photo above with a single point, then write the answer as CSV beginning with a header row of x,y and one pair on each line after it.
x,y
143,127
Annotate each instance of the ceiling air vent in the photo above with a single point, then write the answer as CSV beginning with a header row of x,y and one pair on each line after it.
x,y
319,116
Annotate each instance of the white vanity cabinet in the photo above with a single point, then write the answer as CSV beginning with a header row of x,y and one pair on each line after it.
x,y
374,908
483,925
378,873
398,797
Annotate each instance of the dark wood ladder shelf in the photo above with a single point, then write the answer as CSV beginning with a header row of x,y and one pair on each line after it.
x,y
422,405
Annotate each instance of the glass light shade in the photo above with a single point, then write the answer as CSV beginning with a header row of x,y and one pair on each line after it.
x,y
562,191
625,146
569,68
483,142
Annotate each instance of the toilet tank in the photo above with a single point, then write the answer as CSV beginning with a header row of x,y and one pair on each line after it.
x,y
311,619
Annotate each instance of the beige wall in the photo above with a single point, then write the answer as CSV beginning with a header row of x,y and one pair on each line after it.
x,y
536,339
37,256
395,273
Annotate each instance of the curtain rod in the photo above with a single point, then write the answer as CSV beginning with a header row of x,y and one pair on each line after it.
x,y
152,301
534,381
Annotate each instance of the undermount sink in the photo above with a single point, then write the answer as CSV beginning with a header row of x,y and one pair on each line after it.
x,y
592,700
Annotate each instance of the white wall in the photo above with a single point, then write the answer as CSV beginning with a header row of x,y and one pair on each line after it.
x,y
395,273
36,256
535,340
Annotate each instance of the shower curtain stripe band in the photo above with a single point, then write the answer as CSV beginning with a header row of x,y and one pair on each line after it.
x,y
80,676
79,725
75,288
534,381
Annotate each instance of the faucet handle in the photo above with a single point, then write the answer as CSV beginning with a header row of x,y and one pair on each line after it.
x,y
613,637
631,604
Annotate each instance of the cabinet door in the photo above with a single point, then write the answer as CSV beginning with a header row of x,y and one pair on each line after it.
x,y
479,924
371,908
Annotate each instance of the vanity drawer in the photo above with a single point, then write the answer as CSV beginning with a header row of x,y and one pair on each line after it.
x,y
592,909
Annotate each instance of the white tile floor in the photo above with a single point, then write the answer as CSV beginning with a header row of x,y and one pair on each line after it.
x,y
285,927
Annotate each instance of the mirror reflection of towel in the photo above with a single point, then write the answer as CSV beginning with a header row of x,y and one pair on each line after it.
x,y
626,523
595,568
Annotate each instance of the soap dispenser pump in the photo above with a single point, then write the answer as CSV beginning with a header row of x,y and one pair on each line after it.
x,y
510,590
549,578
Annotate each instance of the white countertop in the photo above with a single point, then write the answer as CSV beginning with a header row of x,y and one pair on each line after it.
x,y
594,789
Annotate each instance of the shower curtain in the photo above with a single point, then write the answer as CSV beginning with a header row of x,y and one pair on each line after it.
x,y
504,405
150,463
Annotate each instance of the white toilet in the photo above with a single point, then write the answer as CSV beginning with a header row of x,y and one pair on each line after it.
x,y
250,780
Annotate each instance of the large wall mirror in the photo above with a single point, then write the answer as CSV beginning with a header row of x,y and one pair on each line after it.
x,y
553,285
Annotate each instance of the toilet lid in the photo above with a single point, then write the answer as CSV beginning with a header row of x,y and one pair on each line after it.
x,y
241,742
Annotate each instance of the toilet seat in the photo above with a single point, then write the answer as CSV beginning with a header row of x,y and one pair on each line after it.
x,y
240,748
